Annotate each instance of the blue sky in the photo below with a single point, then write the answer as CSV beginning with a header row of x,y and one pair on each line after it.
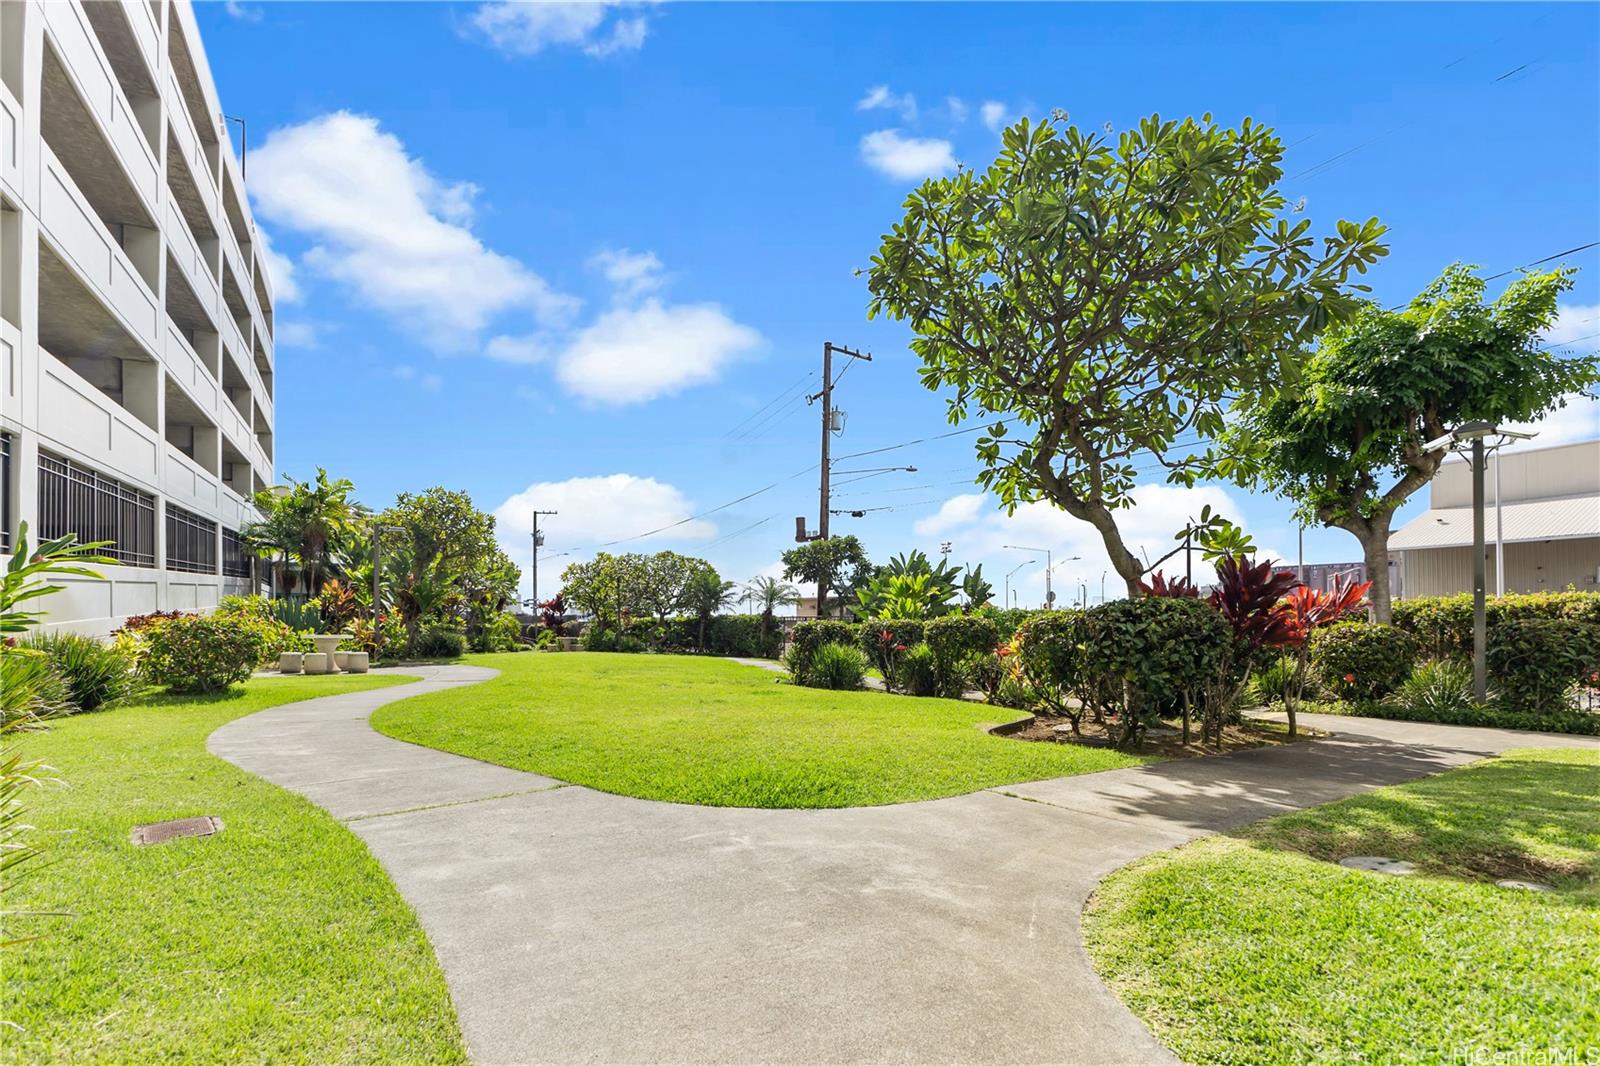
x,y
561,254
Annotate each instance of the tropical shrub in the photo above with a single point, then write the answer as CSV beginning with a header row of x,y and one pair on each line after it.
x,y
32,688
1442,625
1435,692
837,666
1048,652
300,617
744,635
1535,663
262,615
1362,661
1007,620
1272,681
918,671
202,653
136,623
811,636
1488,715
886,640
500,633
954,641
95,674
438,641
1156,653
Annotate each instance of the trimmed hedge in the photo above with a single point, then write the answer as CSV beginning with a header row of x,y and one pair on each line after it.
x,y
201,653
1534,663
1362,660
1442,625
1573,721
808,637
955,641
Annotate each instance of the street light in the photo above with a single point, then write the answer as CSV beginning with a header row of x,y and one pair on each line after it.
x,y
1473,434
1014,569
1049,596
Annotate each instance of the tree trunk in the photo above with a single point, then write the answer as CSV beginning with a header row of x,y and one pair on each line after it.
x,y
1126,564
1374,538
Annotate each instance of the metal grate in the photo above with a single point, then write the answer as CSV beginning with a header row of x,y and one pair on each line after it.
x,y
235,559
191,542
161,832
75,499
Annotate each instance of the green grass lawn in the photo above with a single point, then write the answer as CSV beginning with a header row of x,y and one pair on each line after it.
x,y
709,731
1258,947
278,940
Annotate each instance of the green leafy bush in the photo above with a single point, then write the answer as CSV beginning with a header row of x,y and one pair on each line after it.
x,y
1269,683
1048,649
1535,663
439,641
602,638
1436,691
918,671
886,641
1151,653
501,633
837,666
201,653
810,637
31,688
1442,625
955,640
1362,660
740,634
96,674
1008,620
546,638
1490,715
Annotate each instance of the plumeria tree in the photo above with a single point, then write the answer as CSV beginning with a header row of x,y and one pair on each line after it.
x,y
1098,298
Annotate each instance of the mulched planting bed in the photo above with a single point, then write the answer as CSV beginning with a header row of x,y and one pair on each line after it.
x,y
1239,737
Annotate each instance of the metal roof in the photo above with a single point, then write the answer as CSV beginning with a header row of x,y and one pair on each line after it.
x,y
1561,518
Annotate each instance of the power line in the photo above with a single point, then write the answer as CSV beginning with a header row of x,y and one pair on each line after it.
x,y
710,511
1546,259
742,532
807,376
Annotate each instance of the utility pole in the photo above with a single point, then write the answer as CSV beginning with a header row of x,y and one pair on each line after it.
x,y
826,395
1480,628
538,542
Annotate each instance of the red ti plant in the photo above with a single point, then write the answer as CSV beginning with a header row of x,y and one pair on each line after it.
x,y
551,612
1307,609
1176,588
1246,596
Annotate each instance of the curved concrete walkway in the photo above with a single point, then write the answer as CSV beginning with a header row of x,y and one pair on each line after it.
x,y
577,926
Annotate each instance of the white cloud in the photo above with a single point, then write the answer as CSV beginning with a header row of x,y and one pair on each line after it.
x,y
979,530
995,115
529,348
391,231
632,273
633,354
1575,324
598,28
958,109
280,268
907,158
879,98
297,335
952,514
241,11
594,510
428,382
1578,420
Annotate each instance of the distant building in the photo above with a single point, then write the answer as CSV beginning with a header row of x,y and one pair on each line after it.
x,y
1549,513
1322,576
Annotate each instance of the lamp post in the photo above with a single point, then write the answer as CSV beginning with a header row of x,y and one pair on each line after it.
x,y
1014,569
1049,565
1473,435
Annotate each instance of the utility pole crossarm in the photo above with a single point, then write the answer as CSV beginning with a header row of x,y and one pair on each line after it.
x,y
533,562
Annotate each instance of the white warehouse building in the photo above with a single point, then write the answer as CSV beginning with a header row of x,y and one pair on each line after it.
x,y
136,356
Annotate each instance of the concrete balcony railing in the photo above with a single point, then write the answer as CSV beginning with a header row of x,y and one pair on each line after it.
x,y
80,51
192,150
10,140
146,30
189,483
73,228
185,367
197,268
85,421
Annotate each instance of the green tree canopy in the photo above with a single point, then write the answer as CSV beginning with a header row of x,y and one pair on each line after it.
x,y
1345,438
829,562
306,522
445,558
1110,295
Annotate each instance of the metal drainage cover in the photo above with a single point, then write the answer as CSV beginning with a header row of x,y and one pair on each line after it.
x,y
161,832
1526,886
1378,864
